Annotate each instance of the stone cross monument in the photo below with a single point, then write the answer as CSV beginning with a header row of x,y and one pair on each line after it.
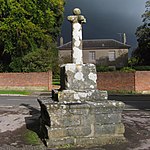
x,y
79,113
77,19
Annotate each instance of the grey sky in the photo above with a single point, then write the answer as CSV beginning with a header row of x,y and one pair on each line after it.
x,y
106,18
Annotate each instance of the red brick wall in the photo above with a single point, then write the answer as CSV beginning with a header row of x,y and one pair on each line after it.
x,y
138,81
142,81
116,81
34,80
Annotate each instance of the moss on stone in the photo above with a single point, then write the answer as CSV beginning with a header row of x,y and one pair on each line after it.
x,y
31,138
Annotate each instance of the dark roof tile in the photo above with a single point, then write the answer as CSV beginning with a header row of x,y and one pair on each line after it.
x,y
98,44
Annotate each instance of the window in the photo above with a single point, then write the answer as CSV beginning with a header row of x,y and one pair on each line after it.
x,y
92,56
111,56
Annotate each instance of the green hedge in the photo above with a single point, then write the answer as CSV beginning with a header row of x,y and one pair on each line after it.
x,y
103,68
127,69
124,69
142,68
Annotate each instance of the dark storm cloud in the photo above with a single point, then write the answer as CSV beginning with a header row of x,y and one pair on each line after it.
x,y
106,18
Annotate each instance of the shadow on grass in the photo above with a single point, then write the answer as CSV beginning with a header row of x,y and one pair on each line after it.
x,y
33,123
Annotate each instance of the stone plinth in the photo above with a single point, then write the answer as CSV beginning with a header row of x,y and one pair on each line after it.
x,y
78,77
78,83
81,96
85,124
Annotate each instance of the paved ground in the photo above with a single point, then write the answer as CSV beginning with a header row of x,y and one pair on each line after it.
x,y
14,122
137,125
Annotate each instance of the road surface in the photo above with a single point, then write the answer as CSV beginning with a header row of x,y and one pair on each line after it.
x,y
131,101
18,101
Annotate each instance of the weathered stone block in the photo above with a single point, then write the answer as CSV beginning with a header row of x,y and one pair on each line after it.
x,y
82,111
57,132
87,120
101,140
104,129
107,106
60,142
81,123
120,129
108,139
65,121
85,141
72,121
78,77
107,118
109,129
57,109
79,131
78,83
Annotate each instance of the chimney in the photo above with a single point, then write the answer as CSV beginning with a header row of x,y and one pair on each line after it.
x,y
124,39
61,41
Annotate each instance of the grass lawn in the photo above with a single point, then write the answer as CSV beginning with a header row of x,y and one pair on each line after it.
x,y
15,92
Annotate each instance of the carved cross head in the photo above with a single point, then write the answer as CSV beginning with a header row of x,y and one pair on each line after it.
x,y
77,17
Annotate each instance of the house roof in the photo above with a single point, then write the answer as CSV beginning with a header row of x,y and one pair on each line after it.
x,y
98,44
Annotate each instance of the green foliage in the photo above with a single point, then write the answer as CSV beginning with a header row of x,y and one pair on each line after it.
x,y
127,69
120,92
135,68
133,61
27,26
31,138
100,68
39,60
142,68
16,64
1,68
35,61
56,81
143,35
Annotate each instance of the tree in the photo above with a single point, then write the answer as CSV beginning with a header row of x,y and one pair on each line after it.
x,y
143,35
25,27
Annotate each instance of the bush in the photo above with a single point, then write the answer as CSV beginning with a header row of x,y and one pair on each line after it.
x,y
133,61
1,67
103,68
127,69
142,68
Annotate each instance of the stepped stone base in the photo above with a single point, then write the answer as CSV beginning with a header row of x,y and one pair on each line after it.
x,y
84,124
81,96
79,114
